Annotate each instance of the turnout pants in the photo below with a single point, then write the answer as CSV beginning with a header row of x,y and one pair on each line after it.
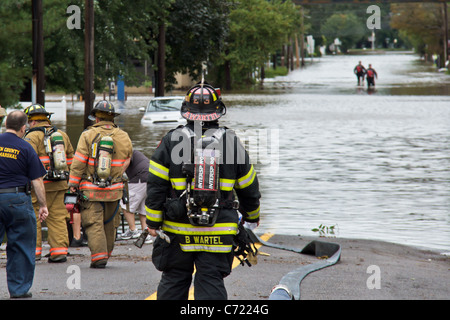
x,y
178,268
58,236
100,220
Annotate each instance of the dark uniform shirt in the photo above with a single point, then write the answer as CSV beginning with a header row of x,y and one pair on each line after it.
x,y
137,171
19,162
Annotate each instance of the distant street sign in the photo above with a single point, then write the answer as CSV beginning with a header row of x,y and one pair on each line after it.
x,y
310,44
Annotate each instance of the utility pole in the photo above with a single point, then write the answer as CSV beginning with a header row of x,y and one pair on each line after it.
x,y
161,61
445,26
297,54
38,80
88,60
302,40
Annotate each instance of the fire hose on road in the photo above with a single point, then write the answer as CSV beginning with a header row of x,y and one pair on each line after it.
x,y
289,286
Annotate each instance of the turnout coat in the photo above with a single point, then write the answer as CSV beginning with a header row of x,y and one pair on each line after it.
x,y
167,182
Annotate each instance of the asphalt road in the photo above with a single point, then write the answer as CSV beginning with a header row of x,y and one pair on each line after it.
x,y
367,270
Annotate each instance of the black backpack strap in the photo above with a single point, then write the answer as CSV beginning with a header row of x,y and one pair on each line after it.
x,y
42,129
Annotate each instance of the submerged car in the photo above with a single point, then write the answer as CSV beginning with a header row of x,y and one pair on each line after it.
x,y
163,110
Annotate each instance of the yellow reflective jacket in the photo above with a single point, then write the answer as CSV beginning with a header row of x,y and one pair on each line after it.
x,y
166,180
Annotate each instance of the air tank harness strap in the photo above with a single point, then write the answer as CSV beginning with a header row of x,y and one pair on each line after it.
x,y
43,129
114,214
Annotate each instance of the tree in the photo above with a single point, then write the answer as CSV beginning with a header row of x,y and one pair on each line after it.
x,y
234,35
64,57
195,35
15,48
346,27
257,28
420,23
124,31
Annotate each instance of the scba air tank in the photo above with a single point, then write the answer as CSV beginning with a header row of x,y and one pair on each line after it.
x,y
206,172
105,151
59,154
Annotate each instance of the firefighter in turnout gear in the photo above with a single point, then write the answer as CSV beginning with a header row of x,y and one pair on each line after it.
x,y
195,174
102,156
55,152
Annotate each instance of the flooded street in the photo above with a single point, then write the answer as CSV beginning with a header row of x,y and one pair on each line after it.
x,y
376,165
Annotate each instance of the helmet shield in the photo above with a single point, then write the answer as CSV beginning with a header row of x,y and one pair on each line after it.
x,y
202,103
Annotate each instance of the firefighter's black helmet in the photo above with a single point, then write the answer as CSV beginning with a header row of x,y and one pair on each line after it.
x,y
103,108
202,103
37,112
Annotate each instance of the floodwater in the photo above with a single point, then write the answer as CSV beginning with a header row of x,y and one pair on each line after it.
x,y
373,164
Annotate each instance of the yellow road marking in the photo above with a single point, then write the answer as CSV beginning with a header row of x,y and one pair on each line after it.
x,y
236,263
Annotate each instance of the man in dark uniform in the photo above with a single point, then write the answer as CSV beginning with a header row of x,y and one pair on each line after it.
x,y
19,164
198,212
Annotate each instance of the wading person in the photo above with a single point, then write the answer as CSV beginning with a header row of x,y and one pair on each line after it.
x,y
190,197
371,74
103,154
55,152
19,164
360,71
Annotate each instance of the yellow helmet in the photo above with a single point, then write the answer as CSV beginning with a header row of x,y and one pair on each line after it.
x,y
37,112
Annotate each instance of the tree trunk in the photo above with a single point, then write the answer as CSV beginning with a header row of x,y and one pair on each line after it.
x,y
161,58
